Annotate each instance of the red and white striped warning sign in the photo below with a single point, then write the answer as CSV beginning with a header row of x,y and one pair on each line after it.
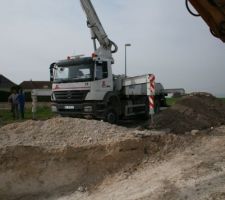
x,y
152,93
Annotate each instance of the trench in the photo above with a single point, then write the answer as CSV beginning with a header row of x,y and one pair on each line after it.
x,y
31,172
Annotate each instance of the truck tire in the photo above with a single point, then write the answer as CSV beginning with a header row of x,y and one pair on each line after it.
x,y
146,115
157,106
111,116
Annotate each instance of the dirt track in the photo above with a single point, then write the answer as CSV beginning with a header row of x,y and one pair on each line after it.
x,y
67,159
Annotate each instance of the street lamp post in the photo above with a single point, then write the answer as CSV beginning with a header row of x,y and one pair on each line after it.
x,y
126,45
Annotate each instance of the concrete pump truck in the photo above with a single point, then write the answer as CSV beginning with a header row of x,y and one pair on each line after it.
x,y
86,86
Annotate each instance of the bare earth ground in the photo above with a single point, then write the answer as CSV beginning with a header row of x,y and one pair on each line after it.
x,y
198,172
111,163
67,159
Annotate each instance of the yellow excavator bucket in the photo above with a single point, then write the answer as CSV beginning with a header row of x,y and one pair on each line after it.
x,y
213,13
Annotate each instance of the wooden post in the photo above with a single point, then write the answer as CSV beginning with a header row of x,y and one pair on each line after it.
x,y
34,105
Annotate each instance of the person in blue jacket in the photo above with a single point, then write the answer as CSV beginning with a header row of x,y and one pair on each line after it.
x,y
21,103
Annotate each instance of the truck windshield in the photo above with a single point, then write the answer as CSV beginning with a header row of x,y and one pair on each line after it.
x,y
76,73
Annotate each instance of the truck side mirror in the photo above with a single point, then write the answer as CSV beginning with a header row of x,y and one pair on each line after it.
x,y
51,71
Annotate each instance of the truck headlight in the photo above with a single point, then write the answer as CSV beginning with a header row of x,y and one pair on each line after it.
x,y
88,108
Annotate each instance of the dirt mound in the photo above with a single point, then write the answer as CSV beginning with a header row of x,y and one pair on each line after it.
x,y
194,112
41,159
61,132
64,158
74,158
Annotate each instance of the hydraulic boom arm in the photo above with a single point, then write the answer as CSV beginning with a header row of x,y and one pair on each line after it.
x,y
97,30
212,11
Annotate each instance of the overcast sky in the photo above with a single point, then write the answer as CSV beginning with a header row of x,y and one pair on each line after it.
x,y
166,40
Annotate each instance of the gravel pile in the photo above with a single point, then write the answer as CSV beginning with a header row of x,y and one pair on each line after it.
x,y
61,131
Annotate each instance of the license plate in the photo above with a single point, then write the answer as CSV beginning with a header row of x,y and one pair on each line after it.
x,y
69,107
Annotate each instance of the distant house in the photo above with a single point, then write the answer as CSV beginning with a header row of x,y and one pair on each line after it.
x,y
6,84
30,85
5,88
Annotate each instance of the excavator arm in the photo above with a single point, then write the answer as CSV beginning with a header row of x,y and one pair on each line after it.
x,y
213,13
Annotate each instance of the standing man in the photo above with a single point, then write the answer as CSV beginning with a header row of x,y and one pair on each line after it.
x,y
21,101
13,99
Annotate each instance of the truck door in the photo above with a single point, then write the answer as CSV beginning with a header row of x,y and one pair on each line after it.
x,y
102,80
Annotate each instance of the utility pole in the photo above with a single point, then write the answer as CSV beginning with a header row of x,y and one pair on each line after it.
x,y
126,45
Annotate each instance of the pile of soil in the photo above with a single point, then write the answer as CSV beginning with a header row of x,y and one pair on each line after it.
x,y
60,132
41,159
196,111
65,158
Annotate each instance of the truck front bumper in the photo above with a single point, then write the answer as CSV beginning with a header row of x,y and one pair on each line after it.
x,y
95,109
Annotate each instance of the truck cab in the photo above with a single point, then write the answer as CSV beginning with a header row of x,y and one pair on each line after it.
x,y
86,86
80,85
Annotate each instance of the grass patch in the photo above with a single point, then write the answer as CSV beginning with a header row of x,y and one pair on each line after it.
x,y
43,113
171,101
223,99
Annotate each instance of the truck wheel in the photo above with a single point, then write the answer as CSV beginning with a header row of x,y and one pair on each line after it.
x,y
157,106
111,116
146,115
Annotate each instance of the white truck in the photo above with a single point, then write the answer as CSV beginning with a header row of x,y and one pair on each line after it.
x,y
86,86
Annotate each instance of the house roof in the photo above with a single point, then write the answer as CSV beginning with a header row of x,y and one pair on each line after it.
x,y
30,85
5,82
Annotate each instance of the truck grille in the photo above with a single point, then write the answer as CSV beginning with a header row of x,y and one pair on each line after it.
x,y
70,96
